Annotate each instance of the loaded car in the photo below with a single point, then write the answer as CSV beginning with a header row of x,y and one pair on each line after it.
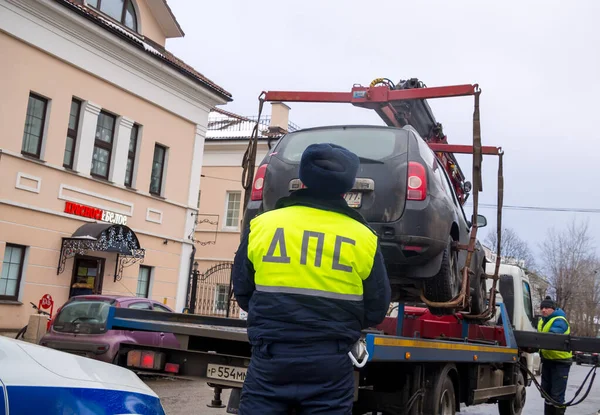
x,y
79,327
587,358
405,195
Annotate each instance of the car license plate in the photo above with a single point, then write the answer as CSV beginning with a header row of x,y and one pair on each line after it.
x,y
354,199
230,373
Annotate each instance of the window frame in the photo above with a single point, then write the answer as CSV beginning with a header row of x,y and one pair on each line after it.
x,y
145,303
45,101
15,297
159,307
73,133
147,282
528,300
104,145
123,11
162,170
227,201
216,308
132,155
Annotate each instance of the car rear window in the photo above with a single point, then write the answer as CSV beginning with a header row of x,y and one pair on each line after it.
x,y
85,313
368,143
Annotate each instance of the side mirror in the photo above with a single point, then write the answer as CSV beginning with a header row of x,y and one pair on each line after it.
x,y
481,221
467,187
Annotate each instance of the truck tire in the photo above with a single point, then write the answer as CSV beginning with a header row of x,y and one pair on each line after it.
x,y
515,405
479,288
441,399
445,285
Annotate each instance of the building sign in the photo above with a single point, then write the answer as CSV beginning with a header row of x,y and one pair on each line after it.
x,y
95,213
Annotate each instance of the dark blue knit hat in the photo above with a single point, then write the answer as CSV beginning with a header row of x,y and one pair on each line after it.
x,y
328,168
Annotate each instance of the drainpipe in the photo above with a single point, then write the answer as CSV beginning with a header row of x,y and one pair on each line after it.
x,y
190,273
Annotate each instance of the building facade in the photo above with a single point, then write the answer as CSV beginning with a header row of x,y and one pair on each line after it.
x,y
221,199
101,153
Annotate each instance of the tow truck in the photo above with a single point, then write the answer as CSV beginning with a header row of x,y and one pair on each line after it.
x,y
414,362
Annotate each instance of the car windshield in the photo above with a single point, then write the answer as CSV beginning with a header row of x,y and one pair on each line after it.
x,y
370,144
82,313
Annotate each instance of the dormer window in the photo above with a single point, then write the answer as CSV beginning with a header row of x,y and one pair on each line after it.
x,y
122,11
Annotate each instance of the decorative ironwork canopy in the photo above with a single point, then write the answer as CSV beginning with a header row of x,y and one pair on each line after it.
x,y
103,237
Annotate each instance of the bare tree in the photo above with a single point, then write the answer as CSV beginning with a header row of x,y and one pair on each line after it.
x,y
572,267
511,246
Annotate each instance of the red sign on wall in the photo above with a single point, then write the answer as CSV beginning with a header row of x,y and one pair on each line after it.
x,y
83,210
95,213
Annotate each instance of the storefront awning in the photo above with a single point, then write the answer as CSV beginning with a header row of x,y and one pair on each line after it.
x,y
103,237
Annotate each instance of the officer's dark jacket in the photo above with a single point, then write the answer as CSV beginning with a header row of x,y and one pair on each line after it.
x,y
290,317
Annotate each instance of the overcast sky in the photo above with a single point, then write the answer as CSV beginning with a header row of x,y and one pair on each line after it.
x,y
538,64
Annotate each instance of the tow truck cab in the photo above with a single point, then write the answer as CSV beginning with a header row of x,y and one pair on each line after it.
x,y
515,292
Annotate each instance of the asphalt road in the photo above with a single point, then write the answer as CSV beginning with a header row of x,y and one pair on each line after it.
x,y
183,397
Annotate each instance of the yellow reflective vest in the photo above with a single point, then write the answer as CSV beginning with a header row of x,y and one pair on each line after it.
x,y
554,354
309,251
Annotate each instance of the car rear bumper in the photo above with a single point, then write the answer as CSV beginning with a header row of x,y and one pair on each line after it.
x,y
94,350
416,238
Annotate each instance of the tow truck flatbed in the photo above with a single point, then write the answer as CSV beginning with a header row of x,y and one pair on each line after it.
x,y
381,347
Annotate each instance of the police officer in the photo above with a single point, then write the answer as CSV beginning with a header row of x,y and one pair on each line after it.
x,y
311,276
555,364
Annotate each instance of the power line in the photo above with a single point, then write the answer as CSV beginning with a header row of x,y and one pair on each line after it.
x,y
539,208
220,178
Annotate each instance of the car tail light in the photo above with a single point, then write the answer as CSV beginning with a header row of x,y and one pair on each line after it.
x,y
259,183
134,358
417,182
52,318
147,360
172,368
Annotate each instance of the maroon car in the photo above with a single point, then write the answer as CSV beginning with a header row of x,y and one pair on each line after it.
x,y
79,327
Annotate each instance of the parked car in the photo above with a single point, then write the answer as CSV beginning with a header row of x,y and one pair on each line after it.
x,y
405,195
79,327
587,358
39,380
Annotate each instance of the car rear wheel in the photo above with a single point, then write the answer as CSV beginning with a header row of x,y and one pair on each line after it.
x,y
478,288
445,285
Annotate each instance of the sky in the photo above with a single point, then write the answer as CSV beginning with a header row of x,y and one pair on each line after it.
x,y
537,63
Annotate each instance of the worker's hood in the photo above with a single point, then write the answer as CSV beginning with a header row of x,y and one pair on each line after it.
x,y
557,313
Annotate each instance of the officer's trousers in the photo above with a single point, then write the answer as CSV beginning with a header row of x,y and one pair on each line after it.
x,y
311,379
554,382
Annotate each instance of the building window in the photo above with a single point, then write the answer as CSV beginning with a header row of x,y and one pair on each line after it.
x,y
72,134
34,126
232,216
120,10
221,294
105,130
12,271
158,166
131,155
143,285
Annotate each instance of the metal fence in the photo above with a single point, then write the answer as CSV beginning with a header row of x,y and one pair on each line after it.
x,y
247,124
211,292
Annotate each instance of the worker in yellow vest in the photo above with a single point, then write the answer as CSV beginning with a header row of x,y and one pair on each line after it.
x,y
311,276
555,363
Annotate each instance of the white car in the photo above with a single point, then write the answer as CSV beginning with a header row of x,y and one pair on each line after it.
x,y
39,380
